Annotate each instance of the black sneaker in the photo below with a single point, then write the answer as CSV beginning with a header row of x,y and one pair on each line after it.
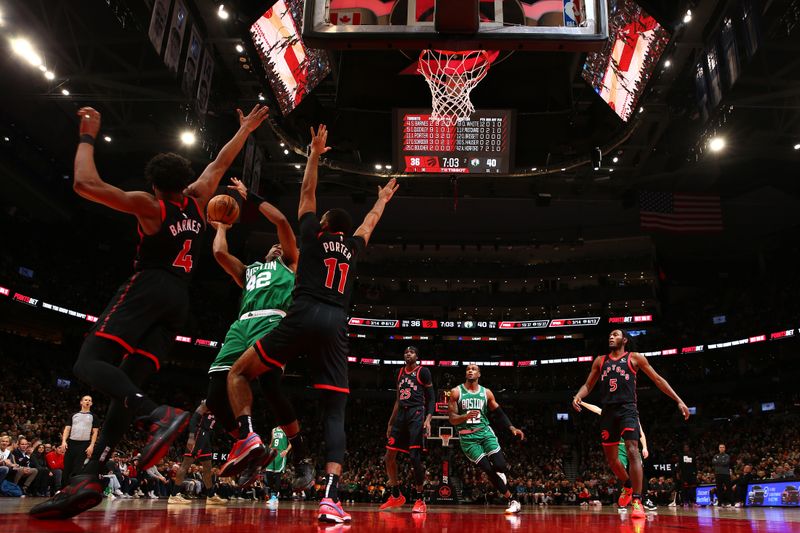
x,y
303,474
250,473
165,424
649,506
83,492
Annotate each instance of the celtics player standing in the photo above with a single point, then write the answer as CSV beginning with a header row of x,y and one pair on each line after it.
x,y
278,448
469,406
266,296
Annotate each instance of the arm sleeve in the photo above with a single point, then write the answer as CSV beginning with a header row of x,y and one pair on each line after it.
x,y
430,391
95,421
309,227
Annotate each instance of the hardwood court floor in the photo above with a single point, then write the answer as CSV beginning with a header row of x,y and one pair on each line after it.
x,y
154,516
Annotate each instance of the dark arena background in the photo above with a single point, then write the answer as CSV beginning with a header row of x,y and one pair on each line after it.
x,y
628,164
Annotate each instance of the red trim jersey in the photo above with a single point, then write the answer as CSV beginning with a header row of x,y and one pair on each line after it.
x,y
411,386
617,380
172,246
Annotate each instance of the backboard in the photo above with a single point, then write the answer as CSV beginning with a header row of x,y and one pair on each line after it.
x,y
572,25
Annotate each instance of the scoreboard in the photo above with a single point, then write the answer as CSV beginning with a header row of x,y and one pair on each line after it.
x,y
480,145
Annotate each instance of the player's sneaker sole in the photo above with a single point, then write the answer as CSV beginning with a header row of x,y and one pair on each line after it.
x,y
332,513
84,492
393,502
166,424
304,475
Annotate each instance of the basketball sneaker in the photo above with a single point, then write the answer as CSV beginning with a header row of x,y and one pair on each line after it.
x,y
179,499
419,507
83,492
637,511
244,454
272,503
165,424
215,500
303,474
625,497
330,511
393,502
650,506
513,507
249,474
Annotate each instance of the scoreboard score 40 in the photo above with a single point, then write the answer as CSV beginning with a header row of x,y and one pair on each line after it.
x,y
480,145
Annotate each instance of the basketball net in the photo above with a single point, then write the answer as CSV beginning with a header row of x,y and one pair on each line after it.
x,y
451,76
445,439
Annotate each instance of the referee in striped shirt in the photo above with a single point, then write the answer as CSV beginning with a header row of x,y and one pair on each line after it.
x,y
78,438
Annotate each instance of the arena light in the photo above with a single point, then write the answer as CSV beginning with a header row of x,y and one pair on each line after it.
x,y
65,92
107,138
286,152
49,75
797,146
23,48
615,159
388,167
221,13
687,18
378,167
261,97
188,138
298,167
239,48
716,144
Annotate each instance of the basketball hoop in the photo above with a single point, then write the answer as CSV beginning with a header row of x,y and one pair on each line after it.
x,y
451,76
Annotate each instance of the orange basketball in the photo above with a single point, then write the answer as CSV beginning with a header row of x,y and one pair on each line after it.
x,y
223,208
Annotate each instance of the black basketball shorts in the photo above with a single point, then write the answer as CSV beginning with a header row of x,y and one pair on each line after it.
x,y
316,329
146,313
407,430
619,421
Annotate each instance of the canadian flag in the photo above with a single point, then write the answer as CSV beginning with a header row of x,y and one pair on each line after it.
x,y
345,18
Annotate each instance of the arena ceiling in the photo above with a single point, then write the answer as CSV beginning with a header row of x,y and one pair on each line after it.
x,y
99,51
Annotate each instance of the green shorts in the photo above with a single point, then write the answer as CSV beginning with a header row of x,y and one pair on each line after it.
x,y
480,444
242,335
622,453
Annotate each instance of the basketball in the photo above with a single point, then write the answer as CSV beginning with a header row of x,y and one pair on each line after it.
x,y
223,208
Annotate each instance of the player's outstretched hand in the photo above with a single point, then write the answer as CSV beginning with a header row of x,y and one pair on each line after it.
x,y
518,433
426,428
576,404
239,187
684,410
386,192
90,121
253,120
319,140
219,225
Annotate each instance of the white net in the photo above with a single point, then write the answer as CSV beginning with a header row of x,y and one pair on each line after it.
x,y
451,76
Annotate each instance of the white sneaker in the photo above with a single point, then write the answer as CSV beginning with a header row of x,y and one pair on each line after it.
x,y
513,507
111,496
152,495
738,505
672,504
178,499
272,503
215,500
118,493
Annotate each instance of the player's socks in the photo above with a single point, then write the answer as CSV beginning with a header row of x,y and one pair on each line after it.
x,y
396,491
332,487
245,423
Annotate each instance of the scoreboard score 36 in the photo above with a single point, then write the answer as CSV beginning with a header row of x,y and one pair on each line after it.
x,y
480,145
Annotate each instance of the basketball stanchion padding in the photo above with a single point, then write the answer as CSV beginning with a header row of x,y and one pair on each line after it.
x,y
457,17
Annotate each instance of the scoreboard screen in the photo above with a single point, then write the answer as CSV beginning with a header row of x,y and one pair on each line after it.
x,y
480,145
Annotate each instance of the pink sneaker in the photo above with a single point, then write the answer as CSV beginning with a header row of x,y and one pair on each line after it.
x,y
245,452
330,511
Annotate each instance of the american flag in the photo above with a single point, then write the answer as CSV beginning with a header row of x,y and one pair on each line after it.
x,y
678,213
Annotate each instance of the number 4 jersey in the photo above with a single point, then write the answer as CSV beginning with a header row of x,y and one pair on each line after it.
x,y
326,269
171,247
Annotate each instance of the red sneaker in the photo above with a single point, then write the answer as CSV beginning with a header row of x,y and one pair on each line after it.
x,y
330,511
244,454
393,502
625,497
165,425
83,492
637,511
420,507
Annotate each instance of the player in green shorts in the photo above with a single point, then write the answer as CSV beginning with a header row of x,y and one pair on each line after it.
x,y
469,406
622,453
266,296
278,449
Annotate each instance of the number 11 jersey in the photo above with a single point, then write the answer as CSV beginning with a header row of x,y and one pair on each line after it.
x,y
326,269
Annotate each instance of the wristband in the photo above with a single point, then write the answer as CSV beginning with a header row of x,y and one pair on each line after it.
x,y
254,197
86,138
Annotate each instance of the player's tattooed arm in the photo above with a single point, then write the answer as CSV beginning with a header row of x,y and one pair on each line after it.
x,y
642,363
591,381
228,262
308,191
371,220
203,188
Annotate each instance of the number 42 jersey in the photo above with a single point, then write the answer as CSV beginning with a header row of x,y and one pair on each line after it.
x,y
267,286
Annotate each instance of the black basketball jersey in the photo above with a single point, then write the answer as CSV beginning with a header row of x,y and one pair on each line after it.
x,y
617,380
171,248
326,269
411,386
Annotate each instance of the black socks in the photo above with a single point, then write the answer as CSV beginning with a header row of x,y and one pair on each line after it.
x,y
332,487
245,423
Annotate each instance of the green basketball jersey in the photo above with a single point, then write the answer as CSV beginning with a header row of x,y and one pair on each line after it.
x,y
281,443
469,401
267,286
